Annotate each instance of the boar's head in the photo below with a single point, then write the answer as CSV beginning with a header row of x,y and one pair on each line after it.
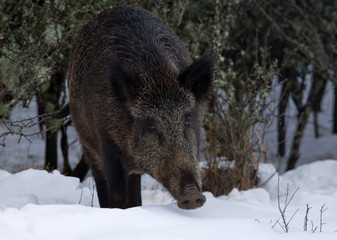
x,y
167,115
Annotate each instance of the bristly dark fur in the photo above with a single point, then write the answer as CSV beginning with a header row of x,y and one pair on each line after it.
x,y
136,101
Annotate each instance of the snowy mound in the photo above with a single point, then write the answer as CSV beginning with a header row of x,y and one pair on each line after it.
x,y
35,204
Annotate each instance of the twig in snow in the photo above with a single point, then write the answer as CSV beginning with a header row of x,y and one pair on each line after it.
x,y
321,223
277,222
312,227
285,223
79,202
305,227
92,192
265,182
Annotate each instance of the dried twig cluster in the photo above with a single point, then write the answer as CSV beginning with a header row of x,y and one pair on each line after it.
x,y
17,127
284,223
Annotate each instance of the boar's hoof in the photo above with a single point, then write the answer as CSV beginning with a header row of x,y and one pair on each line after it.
x,y
191,200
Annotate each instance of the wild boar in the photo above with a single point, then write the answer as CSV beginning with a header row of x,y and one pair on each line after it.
x,y
137,102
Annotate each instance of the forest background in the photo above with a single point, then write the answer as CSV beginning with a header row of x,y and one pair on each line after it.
x,y
257,45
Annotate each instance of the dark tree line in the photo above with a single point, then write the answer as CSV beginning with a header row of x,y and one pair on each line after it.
x,y
304,42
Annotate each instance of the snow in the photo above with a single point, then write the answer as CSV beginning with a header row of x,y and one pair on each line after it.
x,y
35,204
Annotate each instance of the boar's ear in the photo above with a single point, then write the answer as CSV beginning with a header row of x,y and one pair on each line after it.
x,y
198,77
121,82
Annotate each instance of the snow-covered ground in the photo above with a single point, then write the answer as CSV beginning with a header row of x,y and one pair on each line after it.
x,y
37,205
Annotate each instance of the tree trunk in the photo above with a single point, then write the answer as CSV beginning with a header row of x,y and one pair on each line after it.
x,y
48,101
316,125
316,105
81,169
334,127
281,126
64,148
302,122
51,150
318,86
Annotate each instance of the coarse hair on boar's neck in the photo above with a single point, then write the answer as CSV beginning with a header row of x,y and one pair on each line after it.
x,y
136,102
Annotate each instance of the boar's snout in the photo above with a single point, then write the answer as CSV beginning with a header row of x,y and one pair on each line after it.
x,y
191,198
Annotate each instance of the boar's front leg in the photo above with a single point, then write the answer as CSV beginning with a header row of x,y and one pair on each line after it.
x,y
134,191
102,187
115,174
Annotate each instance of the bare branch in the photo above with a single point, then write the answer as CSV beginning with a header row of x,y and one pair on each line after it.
x,y
321,223
283,227
305,227
277,221
280,30
266,181
282,210
292,196
92,192
79,202
292,217
312,227
17,127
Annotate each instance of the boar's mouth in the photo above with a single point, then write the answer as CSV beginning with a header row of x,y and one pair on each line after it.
x,y
191,198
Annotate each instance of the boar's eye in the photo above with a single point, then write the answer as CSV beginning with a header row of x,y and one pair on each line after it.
x,y
151,128
187,123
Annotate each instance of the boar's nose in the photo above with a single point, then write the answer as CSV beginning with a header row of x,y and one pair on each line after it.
x,y
191,199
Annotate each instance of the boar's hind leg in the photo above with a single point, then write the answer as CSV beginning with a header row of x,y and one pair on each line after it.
x,y
100,182
134,191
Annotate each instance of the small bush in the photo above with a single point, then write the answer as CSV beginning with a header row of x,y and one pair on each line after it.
x,y
236,116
